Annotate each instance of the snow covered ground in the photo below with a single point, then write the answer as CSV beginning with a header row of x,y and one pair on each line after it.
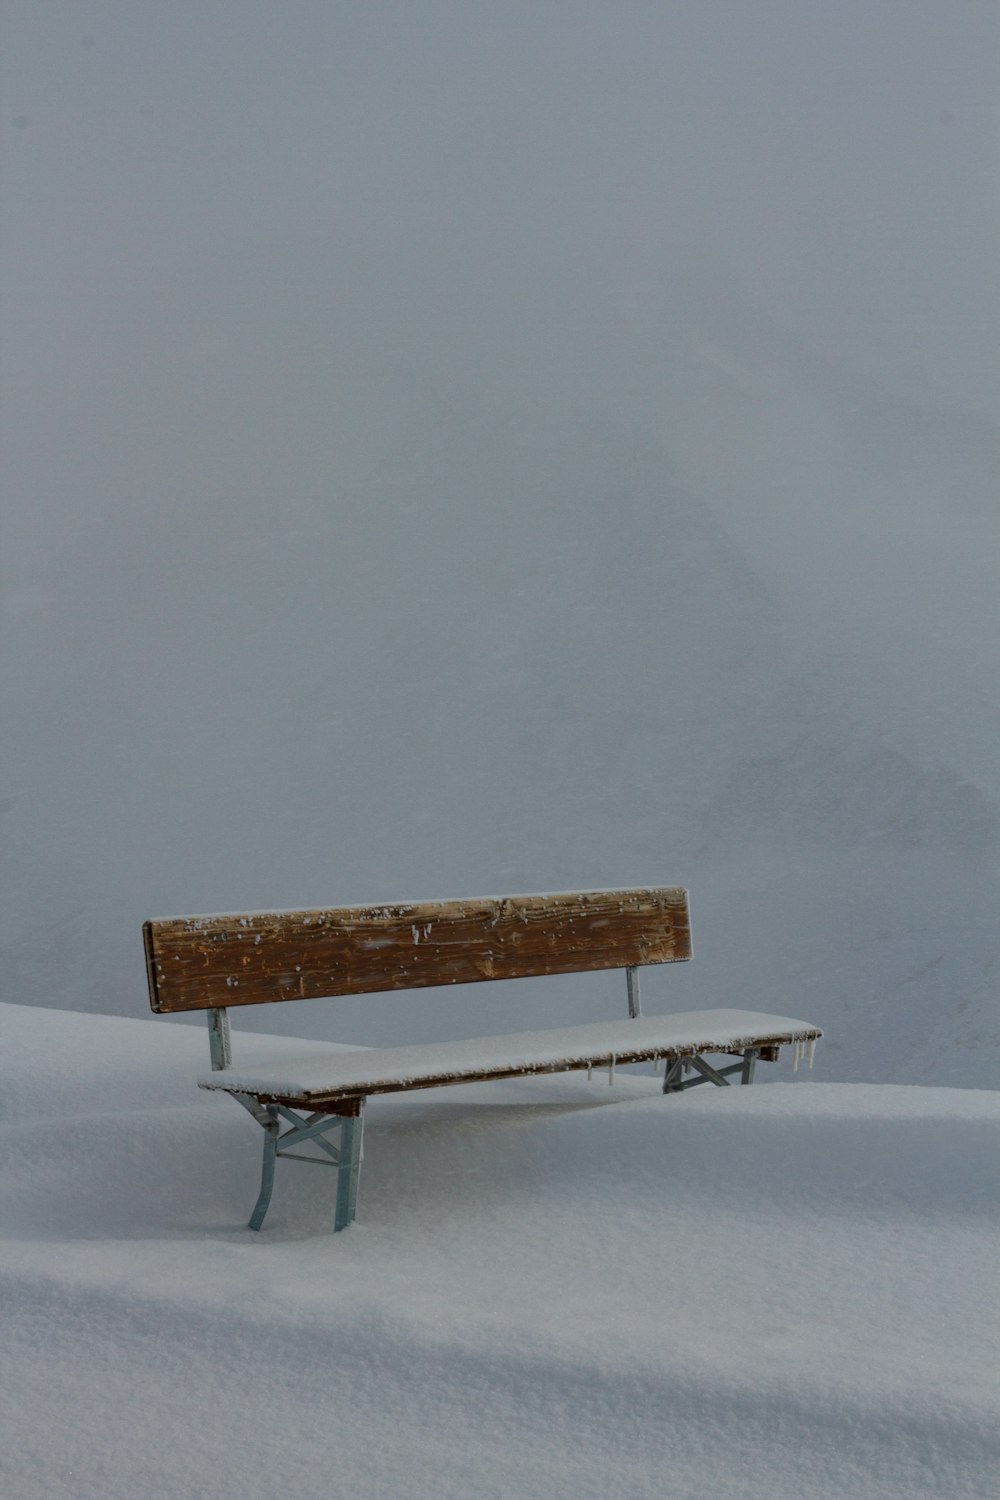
x,y
553,1288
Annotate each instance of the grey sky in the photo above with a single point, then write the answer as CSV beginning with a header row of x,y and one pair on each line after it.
x,y
832,162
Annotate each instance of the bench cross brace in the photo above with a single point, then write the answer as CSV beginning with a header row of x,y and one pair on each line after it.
x,y
674,1080
346,1156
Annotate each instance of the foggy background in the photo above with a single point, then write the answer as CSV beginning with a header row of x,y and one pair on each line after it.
x,y
458,450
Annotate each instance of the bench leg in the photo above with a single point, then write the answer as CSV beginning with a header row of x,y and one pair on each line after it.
x,y
673,1075
349,1170
674,1081
267,1169
346,1157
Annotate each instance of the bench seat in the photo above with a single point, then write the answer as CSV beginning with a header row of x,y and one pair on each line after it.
x,y
323,1076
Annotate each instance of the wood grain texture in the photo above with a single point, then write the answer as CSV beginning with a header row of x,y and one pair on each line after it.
x,y
194,963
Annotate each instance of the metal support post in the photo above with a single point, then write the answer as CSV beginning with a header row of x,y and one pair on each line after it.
x,y
219,1042
349,1170
632,981
267,1168
673,1075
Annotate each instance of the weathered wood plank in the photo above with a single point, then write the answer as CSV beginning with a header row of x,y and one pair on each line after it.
x,y
194,963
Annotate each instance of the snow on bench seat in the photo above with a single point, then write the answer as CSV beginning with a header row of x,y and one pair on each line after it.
x,y
322,1076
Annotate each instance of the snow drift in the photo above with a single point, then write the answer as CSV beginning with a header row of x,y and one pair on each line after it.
x,y
554,1290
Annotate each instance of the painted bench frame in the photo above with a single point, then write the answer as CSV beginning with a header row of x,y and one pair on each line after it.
x,y
211,963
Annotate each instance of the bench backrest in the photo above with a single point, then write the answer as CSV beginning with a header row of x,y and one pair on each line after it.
x,y
203,963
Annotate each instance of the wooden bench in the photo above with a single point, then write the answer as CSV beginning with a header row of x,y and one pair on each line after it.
x,y
214,962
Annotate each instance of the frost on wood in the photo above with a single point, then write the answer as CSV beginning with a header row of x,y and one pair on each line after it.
x,y
317,1074
195,963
